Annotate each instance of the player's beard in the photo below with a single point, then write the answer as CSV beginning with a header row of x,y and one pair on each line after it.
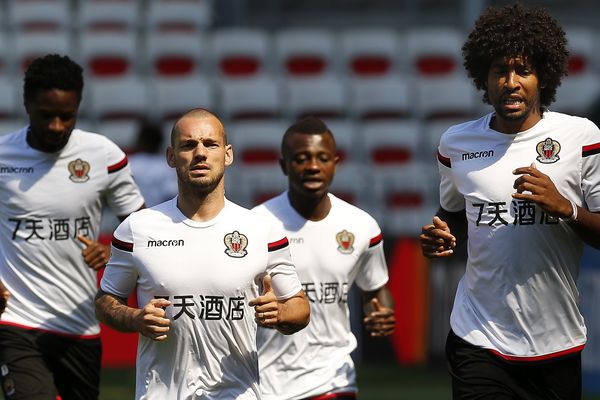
x,y
200,185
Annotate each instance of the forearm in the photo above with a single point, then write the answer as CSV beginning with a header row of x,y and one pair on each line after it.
x,y
587,226
294,314
382,294
457,222
114,312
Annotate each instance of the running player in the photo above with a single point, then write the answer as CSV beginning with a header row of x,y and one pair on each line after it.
x,y
525,182
334,244
54,181
197,261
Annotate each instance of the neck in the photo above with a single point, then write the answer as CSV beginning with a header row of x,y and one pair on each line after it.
x,y
310,208
200,205
515,126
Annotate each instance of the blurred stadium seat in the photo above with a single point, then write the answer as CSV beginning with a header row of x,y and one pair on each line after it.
x,y
174,96
108,15
38,16
125,98
178,15
250,98
370,52
109,54
389,97
324,97
175,54
306,51
240,52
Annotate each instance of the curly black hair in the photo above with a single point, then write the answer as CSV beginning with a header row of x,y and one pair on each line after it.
x,y
516,30
52,71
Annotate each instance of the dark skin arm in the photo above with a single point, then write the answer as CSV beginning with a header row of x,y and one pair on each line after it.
x,y
95,254
440,238
378,307
4,295
542,191
149,320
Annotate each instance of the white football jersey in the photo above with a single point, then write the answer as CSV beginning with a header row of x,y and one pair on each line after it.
x,y
46,200
209,271
330,255
518,296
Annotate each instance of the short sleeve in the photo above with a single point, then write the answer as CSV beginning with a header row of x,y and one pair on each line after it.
x,y
285,280
450,197
372,267
590,168
122,193
120,275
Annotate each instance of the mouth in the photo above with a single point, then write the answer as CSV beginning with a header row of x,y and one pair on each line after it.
x,y
312,183
512,102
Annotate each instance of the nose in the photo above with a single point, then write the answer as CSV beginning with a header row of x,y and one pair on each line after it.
x,y
512,79
56,125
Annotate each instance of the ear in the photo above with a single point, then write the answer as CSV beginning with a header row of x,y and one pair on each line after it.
x,y
228,155
283,166
170,155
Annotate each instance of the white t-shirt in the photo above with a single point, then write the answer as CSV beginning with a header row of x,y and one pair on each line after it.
x,y
209,271
329,255
518,296
156,180
46,200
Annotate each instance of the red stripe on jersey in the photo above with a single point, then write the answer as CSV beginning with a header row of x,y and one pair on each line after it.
x,y
118,166
590,150
69,335
576,349
444,160
376,240
280,244
121,245
331,396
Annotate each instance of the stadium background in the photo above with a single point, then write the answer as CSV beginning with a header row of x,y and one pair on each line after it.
x,y
387,77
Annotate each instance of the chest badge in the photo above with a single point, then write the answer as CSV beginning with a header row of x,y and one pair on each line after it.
x,y
345,242
548,151
236,244
79,170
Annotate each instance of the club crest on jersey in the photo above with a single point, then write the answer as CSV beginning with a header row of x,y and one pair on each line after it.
x,y
236,244
548,151
345,241
79,170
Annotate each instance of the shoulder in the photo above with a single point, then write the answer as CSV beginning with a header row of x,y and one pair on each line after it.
x,y
586,130
350,212
457,131
275,207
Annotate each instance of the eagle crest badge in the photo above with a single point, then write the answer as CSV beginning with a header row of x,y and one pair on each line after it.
x,y
548,151
345,242
236,244
79,170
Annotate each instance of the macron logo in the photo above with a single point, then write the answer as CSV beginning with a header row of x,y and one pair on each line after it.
x,y
165,243
478,154
7,169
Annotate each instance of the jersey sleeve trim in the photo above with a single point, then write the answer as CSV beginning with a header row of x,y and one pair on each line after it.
x,y
278,245
444,160
121,245
376,240
590,150
118,166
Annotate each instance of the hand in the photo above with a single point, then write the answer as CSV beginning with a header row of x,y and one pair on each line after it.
x,y
4,295
266,306
95,254
436,239
542,191
381,321
150,321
